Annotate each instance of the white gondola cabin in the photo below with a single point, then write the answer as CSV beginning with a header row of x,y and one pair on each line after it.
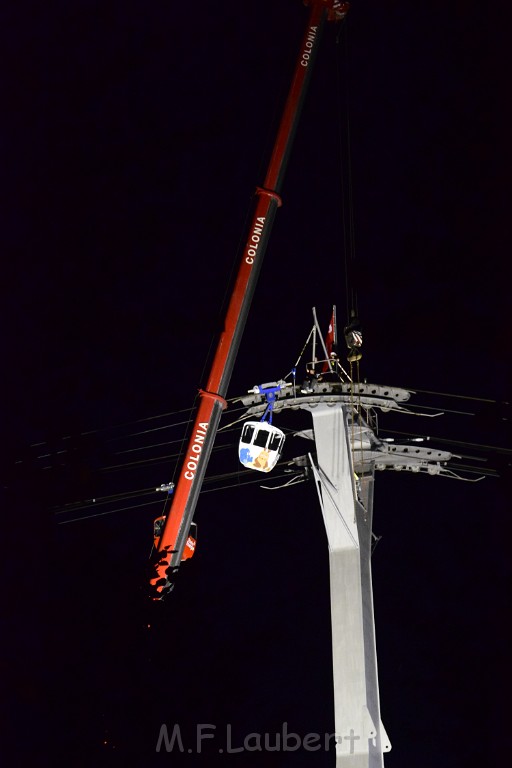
x,y
260,445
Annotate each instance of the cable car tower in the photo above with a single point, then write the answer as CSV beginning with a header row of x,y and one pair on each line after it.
x,y
344,455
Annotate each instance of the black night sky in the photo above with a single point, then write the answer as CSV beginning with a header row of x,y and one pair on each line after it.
x,y
134,135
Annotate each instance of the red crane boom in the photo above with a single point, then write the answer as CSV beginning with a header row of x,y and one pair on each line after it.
x,y
212,398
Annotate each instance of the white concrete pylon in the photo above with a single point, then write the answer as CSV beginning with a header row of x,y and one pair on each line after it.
x,y
360,738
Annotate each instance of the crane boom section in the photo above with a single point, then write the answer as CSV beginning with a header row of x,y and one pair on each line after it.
x,y
212,399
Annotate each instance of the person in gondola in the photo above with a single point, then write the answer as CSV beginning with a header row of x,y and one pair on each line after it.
x,y
353,338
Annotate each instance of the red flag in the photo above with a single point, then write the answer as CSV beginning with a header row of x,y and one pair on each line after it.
x,y
330,340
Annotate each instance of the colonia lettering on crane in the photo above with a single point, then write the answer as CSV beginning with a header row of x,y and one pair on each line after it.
x,y
309,45
197,447
254,240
